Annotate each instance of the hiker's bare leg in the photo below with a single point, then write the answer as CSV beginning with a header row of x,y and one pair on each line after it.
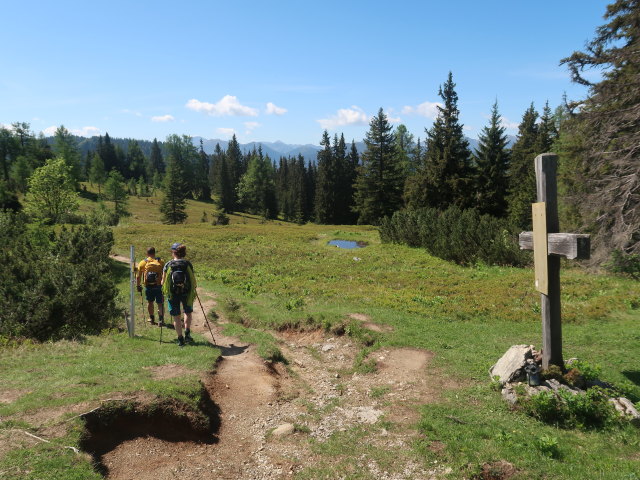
x,y
161,309
187,321
150,309
177,323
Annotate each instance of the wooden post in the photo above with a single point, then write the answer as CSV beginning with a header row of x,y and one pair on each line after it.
x,y
548,246
546,186
131,323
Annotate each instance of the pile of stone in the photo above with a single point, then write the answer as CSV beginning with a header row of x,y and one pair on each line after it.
x,y
518,369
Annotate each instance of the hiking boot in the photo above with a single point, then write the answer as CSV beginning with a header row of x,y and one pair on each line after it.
x,y
187,337
180,342
161,321
152,320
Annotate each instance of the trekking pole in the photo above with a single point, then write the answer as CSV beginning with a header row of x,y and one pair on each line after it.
x,y
161,322
205,318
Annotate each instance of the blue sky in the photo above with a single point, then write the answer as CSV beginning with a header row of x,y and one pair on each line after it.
x,y
281,70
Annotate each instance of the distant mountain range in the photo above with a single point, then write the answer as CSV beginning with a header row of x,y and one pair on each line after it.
x,y
274,150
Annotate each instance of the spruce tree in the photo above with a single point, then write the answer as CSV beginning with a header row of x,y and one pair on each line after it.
x,y
601,158
522,175
156,162
202,191
174,203
492,159
325,192
445,177
378,186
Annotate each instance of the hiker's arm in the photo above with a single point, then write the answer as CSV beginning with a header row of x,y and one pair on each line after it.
x,y
139,273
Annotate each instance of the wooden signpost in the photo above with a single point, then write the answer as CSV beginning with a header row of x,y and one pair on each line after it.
x,y
548,246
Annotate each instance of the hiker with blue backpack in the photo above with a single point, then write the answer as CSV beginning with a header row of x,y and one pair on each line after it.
x,y
179,286
149,275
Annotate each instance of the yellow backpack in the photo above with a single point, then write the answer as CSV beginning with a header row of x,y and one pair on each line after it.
x,y
153,272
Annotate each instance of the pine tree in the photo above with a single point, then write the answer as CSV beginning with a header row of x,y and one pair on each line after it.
x,y
325,202
522,175
108,153
116,192
378,186
174,203
202,190
602,157
445,178
65,146
97,172
236,166
156,162
492,159
136,160
256,190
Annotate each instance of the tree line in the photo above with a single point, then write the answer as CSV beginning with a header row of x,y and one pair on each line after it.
x,y
596,140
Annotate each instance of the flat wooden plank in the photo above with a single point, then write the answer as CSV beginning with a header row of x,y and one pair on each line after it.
x,y
540,252
574,246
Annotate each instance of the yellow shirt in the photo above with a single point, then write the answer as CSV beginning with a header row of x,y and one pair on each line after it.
x,y
150,264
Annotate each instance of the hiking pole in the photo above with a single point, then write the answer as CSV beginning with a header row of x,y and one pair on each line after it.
x,y
205,318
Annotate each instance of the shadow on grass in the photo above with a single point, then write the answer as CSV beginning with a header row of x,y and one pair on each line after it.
x,y
633,375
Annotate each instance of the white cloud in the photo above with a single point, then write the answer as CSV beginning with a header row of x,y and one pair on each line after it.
x,y
6,127
227,132
250,126
80,132
273,109
394,119
508,124
227,106
163,118
86,131
345,116
426,109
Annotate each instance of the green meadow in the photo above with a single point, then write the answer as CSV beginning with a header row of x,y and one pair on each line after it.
x,y
278,275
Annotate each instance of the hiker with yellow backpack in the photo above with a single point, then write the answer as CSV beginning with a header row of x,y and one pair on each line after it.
x,y
150,275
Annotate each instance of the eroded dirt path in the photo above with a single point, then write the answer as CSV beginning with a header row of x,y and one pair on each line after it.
x,y
273,417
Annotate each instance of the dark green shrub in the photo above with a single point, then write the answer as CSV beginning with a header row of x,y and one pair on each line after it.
x,y
591,409
55,285
624,264
461,236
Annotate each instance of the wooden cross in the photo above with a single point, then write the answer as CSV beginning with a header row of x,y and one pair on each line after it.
x,y
548,246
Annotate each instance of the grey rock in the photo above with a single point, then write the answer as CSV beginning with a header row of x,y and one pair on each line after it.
x,y
556,385
509,394
327,347
284,430
510,367
626,409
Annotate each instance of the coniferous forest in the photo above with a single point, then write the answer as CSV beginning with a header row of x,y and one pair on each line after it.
x,y
405,183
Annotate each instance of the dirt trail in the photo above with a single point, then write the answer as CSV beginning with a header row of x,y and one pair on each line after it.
x,y
271,415
315,396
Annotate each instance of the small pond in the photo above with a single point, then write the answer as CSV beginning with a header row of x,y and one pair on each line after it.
x,y
347,244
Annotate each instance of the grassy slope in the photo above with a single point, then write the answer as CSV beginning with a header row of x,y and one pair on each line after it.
x,y
283,274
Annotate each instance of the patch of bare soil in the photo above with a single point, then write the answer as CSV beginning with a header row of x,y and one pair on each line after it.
x,y
10,396
501,470
367,323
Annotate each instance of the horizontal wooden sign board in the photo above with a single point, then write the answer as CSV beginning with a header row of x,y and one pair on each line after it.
x,y
570,245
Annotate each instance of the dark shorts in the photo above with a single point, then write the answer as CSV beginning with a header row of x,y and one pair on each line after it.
x,y
154,294
174,305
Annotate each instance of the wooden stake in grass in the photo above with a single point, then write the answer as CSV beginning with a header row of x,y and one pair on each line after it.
x,y
548,246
